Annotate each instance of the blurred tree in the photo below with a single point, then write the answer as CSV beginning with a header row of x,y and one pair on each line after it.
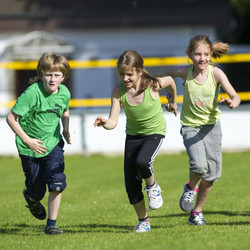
x,y
243,10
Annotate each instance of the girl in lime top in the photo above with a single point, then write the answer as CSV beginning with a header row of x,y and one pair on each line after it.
x,y
35,119
138,94
200,119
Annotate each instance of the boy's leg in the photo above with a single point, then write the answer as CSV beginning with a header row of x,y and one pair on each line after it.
x,y
54,201
54,175
35,186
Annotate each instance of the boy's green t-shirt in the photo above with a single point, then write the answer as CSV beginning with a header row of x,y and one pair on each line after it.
x,y
39,116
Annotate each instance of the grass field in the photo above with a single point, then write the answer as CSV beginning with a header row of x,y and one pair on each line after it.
x,y
95,213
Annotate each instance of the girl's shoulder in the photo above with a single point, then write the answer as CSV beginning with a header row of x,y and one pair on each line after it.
x,y
217,72
117,90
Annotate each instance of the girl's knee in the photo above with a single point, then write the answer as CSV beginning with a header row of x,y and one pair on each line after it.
x,y
199,168
144,168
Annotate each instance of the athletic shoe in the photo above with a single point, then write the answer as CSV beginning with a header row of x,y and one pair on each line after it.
x,y
142,227
196,220
53,230
35,207
187,199
154,196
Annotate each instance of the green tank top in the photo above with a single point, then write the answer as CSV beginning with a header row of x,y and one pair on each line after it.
x,y
39,116
146,118
200,102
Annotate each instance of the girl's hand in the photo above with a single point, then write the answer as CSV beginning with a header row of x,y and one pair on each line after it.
x,y
228,102
36,146
100,121
171,107
66,136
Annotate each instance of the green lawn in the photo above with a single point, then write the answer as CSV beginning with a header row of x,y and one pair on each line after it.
x,y
95,212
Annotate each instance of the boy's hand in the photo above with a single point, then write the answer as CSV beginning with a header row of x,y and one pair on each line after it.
x,y
66,136
36,146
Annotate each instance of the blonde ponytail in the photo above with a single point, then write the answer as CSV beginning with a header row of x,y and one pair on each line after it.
x,y
219,49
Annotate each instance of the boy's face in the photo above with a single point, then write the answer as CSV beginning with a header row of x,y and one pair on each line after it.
x,y
51,81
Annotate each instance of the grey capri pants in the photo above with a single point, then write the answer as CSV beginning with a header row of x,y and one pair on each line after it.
x,y
203,145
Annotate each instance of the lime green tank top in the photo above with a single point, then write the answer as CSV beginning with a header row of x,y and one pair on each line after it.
x,y
146,118
200,106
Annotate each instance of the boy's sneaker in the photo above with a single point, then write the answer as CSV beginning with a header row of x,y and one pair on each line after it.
x,y
187,198
142,227
53,230
154,196
196,219
35,207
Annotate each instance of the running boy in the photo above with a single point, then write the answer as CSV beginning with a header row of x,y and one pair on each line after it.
x,y
35,119
200,119
138,94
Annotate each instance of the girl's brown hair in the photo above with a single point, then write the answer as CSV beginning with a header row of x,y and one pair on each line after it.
x,y
218,49
131,59
51,62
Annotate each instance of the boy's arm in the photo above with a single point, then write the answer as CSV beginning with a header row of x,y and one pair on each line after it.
x,y
34,144
65,123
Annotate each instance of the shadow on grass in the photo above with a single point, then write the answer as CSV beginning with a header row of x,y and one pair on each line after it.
x,y
24,229
21,229
228,213
225,213
97,228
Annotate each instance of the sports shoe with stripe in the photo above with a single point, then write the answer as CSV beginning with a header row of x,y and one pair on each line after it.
x,y
155,200
142,227
53,230
196,219
35,207
187,198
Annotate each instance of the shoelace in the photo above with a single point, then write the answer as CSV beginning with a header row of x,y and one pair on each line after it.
x,y
153,192
189,196
199,218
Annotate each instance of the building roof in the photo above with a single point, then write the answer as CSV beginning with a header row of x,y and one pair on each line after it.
x,y
75,14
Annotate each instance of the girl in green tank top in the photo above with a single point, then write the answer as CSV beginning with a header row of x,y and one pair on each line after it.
x,y
200,116
138,94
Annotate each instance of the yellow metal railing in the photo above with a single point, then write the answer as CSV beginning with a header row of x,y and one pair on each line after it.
x,y
105,102
110,63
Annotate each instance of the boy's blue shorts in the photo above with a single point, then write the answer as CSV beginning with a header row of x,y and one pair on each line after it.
x,y
47,170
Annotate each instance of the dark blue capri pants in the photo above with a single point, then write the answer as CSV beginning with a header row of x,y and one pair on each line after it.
x,y
47,170
140,152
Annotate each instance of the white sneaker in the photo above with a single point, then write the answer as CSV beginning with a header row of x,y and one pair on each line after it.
x,y
142,227
187,199
154,196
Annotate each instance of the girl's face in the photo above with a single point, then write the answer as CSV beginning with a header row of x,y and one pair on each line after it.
x,y
130,76
201,56
51,81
